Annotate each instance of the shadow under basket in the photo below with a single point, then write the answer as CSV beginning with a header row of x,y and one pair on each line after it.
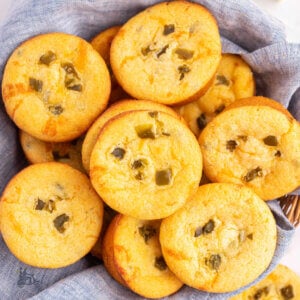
x,y
290,205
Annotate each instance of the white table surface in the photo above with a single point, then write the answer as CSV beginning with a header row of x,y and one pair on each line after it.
x,y
288,11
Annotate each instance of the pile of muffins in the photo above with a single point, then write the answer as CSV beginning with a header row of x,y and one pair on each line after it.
x,y
149,148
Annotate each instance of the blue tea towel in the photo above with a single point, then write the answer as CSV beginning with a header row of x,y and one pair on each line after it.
x,y
245,30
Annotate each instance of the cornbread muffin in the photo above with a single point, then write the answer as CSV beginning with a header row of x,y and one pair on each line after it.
x,y
37,151
145,164
255,142
54,86
233,80
101,44
132,255
281,284
51,215
222,239
168,53
112,111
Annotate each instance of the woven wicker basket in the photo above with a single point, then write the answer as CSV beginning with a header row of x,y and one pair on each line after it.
x,y
290,205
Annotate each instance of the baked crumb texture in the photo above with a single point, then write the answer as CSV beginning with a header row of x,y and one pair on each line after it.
x,y
222,239
50,215
168,53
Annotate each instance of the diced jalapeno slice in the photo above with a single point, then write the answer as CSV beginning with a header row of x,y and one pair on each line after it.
x,y
222,80
56,109
40,204
163,177
169,28
139,176
47,58
69,68
145,131
209,227
162,51
75,87
206,229
118,153
244,138
277,153
137,164
72,80
231,145
214,261
198,231
59,222
147,232
184,69
250,236
36,84
260,292
287,292
50,206
153,114
184,54
252,174
146,50
270,140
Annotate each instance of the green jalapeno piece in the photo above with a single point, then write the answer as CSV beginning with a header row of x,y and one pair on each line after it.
x,y
163,177
47,58
59,222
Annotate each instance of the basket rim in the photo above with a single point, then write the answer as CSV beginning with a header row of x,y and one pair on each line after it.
x,y
290,205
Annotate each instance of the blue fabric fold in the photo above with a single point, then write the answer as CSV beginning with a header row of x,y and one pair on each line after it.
x,y
245,30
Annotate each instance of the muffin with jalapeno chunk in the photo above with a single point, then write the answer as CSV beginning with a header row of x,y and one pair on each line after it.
x,y
37,151
115,109
168,53
54,86
132,255
281,284
145,164
254,142
234,80
101,43
221,240
50,215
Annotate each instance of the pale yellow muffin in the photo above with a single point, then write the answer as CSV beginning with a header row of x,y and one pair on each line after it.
x,y
222,239
234,80
168,53
145,164
112,111
132,255
54,86
101,43
37,151
255,142
51,215
281,284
